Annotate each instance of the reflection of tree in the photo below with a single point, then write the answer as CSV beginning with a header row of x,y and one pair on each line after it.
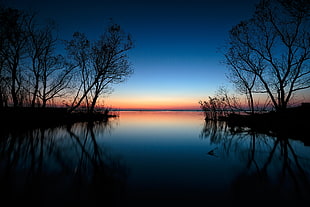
x,y
275,169
63,166
219,133
291,164
103,168
281,176
215,130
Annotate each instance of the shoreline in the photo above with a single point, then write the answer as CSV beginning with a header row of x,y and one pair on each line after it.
x,y
25,117
292,123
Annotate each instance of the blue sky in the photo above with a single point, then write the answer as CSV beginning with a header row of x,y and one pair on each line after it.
x,y
176,59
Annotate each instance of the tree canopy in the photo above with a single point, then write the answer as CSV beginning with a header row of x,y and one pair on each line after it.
x,y
33,73
270,52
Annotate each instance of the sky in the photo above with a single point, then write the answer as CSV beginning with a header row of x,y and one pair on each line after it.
x,y
176,58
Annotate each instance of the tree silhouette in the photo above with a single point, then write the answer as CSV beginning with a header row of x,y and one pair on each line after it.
x,y
101,64
14,38
50,74
243,81
273,47
40,43
31,73
30,70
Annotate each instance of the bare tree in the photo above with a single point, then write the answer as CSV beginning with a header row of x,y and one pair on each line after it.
x,y
40,45
101,63
109,59
79,51
243,80
14,36
56,79
4,80
50,72
29,65
273,49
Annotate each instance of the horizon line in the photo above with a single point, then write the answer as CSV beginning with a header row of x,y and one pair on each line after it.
x,y
156,109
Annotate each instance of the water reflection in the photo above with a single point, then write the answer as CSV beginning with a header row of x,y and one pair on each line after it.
x,y
63,166
275,168
152,159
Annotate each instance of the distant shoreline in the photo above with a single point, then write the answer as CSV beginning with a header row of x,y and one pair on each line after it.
x,y
198,110
25,117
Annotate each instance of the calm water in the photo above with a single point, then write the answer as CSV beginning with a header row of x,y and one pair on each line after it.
x,y
152,159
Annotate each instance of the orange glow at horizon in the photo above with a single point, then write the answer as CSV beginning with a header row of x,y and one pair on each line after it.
x,y
170,102
177,103
163,119
153,104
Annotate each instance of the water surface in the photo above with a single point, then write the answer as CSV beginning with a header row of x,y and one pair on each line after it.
x,y
152,158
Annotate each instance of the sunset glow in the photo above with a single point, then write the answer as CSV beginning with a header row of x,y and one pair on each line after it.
x,y
162,119
155,103
176,59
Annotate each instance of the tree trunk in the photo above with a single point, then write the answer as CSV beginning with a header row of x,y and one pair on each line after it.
x,y
251,102
93,104
33,102
13,90
1,100
14,78
44,102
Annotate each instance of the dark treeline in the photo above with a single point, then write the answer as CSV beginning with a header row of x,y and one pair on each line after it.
x,y
34,74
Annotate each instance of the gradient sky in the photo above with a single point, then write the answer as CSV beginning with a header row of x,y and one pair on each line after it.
x,y
175,60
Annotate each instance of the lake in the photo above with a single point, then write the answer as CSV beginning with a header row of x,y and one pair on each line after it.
x,y
152,158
